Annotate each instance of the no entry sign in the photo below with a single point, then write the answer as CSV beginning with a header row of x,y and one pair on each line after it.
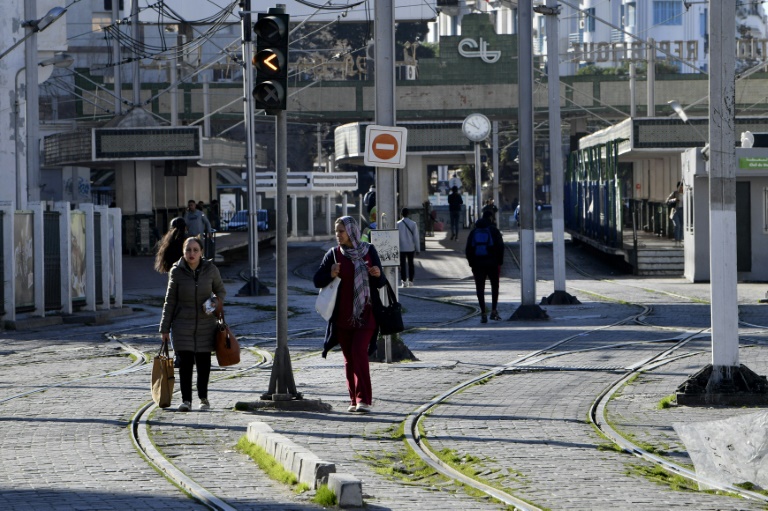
x,y
385,146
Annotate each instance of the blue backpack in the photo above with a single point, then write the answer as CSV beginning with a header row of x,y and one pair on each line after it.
x,y
482,243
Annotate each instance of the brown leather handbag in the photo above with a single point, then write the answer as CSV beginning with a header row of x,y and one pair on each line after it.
x,y
227,348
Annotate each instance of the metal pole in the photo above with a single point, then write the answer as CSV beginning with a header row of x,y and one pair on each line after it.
x,y
651,78
528,308
384,84
495,142
116,56
722,187
478,178
525,109
555,150
32,109
632,87
137,60
253,288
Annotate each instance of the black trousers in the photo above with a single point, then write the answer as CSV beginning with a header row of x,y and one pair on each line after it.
x,y
406,262
491,272
188,359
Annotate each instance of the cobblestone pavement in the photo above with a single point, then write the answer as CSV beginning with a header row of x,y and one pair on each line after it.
x,y
66,443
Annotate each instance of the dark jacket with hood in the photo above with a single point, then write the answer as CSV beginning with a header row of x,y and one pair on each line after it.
x,y
323,277
496,252
183,315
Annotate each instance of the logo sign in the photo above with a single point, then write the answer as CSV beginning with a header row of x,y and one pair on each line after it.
x,y
753,162
385,146
470,48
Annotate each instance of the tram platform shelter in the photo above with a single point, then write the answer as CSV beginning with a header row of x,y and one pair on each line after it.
x,y
618,181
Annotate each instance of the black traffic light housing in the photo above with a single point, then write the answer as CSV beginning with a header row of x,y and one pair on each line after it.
x,y
271,61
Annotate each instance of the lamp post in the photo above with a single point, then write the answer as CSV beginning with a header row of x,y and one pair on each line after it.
x,y
36,26
58,60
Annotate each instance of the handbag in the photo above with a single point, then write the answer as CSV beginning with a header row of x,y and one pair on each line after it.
x,y
325,302
227,347
163,379
389,317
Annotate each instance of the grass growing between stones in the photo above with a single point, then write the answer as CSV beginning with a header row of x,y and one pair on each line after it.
x,y
270,466
667,402
324,496
658,475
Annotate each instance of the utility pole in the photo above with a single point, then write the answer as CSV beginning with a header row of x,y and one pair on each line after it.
x,y
725,381
32,193
385,107
560,296
252,288
528,308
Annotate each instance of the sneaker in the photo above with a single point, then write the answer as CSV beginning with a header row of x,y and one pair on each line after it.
x,y
404,284
495,316
204,404
410,283
363,408
185,406
483,319
352,408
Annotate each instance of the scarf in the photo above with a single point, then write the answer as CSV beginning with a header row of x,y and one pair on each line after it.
x,y
357,254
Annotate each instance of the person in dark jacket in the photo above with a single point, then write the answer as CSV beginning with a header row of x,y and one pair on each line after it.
x,y
192,281
454,209
352,324
485,254
171,247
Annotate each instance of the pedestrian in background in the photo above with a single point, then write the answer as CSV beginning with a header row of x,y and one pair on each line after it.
x,y
197,223
171,247
369,199
410,244
192,281
490,205
675,203
454,209
485,254
352,324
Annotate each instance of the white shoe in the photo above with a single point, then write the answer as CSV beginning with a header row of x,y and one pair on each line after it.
x,y
352,408
204,405
404,284
185,406
410,283
363,408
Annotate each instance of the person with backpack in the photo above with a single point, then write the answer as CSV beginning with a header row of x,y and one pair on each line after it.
x,y
485,254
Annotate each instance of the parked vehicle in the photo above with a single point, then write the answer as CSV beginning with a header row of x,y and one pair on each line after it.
x,y
239,221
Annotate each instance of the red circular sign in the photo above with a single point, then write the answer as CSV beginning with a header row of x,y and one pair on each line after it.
x,y
384,146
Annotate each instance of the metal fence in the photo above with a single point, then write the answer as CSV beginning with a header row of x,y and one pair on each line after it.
x,y
52,259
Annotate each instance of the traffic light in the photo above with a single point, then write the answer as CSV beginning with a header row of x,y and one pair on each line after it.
x,y
271,61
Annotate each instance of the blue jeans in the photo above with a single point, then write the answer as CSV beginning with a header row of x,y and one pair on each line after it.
x,y
677,220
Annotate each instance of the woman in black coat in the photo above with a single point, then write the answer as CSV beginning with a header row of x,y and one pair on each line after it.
x,y
352,324
191,282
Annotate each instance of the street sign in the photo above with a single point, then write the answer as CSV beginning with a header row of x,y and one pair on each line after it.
x,y
385,146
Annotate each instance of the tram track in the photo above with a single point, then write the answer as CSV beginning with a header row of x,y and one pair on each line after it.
x,y
597,413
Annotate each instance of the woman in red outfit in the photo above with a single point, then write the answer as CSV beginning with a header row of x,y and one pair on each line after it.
x,y
352,324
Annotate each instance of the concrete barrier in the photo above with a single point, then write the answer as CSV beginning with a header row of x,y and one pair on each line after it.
x,y
347,488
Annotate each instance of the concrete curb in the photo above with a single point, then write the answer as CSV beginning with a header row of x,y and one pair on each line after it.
x,y
308,467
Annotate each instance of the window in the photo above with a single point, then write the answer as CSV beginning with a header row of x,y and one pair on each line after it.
x,y
667,12
589,20
98,21
703,23
628,14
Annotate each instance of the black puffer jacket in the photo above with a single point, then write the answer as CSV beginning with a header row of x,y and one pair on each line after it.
x,y
192,329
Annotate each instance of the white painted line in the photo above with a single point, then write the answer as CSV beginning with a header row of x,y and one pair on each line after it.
x,y
391,147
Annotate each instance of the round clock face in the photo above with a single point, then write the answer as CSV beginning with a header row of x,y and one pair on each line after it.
x,y
476,127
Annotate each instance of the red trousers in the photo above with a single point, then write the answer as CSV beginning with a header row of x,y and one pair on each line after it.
x,y
354,346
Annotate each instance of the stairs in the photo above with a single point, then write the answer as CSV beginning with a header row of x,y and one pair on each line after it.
x,y
658,261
